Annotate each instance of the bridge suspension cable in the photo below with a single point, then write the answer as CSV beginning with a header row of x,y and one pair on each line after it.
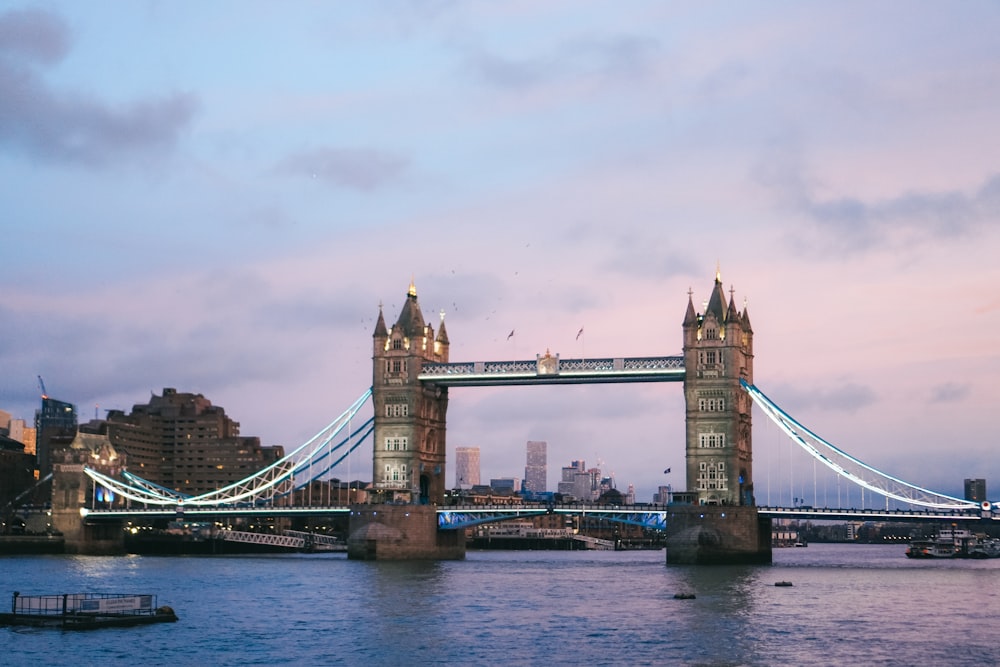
x,y
276,480
849,467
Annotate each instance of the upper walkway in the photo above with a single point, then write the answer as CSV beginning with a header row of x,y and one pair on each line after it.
x,y
549,369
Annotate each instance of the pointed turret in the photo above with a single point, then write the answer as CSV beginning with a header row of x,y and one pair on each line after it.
x,y
411,320
717,302
745,317
380,329
732,315
442,337
690,317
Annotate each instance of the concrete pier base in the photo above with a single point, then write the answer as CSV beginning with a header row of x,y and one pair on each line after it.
x,y
85,538
401,532
717,535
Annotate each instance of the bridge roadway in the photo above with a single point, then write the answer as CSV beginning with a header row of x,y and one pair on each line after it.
x,y
550,369
454,517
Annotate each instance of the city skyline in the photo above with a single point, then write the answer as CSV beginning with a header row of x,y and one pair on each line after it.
x,y
218,201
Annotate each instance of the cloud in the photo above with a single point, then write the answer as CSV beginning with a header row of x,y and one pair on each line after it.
x,y
611,58
68,126
933,215
353,168
35,35
949,392
846,397
852,225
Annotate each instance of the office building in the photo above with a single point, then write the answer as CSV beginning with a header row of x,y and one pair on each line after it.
x,y
536,470
55,427
506,485
466,467
975,489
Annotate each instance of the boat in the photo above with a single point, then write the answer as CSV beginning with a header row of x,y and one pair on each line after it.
x,y
954,543
986,548
86,611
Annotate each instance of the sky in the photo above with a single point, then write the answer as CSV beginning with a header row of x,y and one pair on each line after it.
x,y
216,197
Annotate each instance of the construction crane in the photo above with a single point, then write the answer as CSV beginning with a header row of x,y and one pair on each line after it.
x,y
41,383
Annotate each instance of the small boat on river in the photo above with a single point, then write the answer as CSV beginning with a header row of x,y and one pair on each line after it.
x,y
85,611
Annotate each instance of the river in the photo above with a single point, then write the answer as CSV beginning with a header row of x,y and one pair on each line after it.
x,y
848,604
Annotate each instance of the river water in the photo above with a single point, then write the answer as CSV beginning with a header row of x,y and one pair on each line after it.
x,y
848,604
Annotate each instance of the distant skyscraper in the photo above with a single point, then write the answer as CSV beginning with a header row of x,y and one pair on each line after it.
x,y
536,471
568,476
975,489
466,467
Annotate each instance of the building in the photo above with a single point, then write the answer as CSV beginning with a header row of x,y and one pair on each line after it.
x,y
536,469
567,480
505,485
663,495
20,431
55,427
183,442
17,470
975,489
718,353
466,467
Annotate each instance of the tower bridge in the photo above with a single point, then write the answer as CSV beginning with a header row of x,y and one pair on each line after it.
x,y
412,376
717,519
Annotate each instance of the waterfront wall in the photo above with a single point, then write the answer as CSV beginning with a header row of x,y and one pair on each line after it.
x,y
401,532
717,535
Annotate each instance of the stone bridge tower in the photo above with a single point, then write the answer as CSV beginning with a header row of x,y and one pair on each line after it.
x,y
409,449
718,353
721,525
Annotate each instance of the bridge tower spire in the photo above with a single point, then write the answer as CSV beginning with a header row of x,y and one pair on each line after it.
x,y
718,353
409,437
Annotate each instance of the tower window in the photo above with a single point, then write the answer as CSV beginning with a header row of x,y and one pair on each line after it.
x,y
396,444
711,477
397,410
711,440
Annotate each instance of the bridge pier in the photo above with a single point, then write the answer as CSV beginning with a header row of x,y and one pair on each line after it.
x,y
717,535
401,532
70,489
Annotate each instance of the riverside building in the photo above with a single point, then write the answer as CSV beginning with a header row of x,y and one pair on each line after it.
x,y
183,442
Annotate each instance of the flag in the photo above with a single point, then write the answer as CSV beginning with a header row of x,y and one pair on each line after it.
x,y
666,471
510,335
579,333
